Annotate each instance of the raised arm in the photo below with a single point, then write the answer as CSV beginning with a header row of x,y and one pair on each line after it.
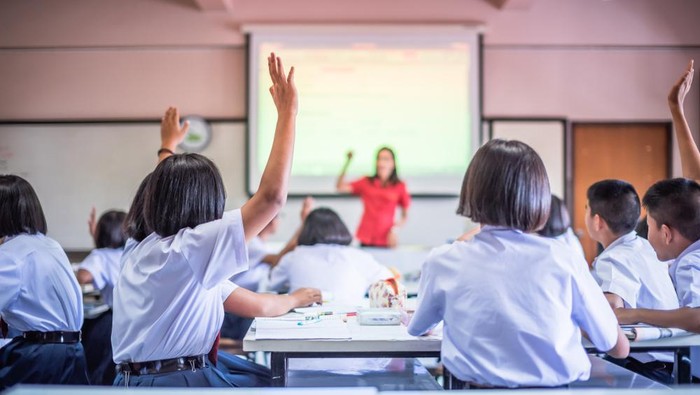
x,y
272,192
273,259
171,134
690,156
341,185
92,223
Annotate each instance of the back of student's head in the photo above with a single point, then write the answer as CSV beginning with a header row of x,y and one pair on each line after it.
x,y
20,210
676,204
185,190
617,203
324,226
506,184
558,222
135,224
109,232
642,228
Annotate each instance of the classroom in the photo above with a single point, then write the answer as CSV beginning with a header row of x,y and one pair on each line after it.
x,y
349,197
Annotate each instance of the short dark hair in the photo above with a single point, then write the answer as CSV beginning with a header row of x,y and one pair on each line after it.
x,y
109,232
185,190
324,226
676,203
506,184
394,176
558,221
617,203
135,224
642,228
20,209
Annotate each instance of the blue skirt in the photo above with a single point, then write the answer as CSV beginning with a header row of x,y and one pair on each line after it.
x,y
41,363
205,377
97,341
243,373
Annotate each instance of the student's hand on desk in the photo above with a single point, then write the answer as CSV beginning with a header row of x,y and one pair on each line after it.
x,y
283,90
306,296
171,134
92,223
626,316
680,89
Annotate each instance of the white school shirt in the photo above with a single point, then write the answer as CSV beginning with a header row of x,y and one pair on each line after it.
x,y
38,290
344,271
259,270
630,269
685,273
513,306
571,240
104,265
168,300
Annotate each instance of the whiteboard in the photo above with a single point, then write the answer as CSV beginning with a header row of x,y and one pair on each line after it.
x,y
74,166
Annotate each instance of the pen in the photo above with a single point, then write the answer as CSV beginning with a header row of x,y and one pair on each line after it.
x,y
307,322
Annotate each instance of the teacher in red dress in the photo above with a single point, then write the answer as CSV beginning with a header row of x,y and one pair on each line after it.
x,y
380,194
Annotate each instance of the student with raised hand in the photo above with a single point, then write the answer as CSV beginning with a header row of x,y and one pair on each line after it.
x,y
627,270
509,294
324,259
558,226
673,216
101,269
380,194
170,298
690,156
39,295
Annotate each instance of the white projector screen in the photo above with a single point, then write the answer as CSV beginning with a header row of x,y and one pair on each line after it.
x,y
412,88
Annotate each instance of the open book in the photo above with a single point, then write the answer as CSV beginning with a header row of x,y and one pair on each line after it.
x,y
647,332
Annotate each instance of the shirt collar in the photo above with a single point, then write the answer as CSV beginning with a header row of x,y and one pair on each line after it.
x,y
626,238
693,247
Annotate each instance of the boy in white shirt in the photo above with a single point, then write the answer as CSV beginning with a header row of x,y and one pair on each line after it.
x,y
627,270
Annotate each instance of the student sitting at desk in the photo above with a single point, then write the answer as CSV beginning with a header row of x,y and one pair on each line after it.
x,y
39,295
101,268
673,216
324,259
627,270
558,226
513,303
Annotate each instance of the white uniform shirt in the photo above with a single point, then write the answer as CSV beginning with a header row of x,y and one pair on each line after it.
x,y
685,273
259,270
168,300
38,290
104,265
344,271
571,240
513,305
630,269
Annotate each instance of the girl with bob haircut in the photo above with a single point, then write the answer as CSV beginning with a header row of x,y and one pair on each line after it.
x,y
509,294
40,295
324,259
173,289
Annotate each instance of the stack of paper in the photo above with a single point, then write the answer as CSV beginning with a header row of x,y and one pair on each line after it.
x,y
293,326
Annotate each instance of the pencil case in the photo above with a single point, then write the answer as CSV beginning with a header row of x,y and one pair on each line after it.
x,y
379,317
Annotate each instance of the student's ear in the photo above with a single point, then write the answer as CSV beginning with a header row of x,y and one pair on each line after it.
x,y
666,234
598,223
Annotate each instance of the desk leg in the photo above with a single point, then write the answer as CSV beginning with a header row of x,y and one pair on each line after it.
x,y
278,364
682,366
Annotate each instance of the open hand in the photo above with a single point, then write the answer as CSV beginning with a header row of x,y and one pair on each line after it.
x,y
680,89
283,90
171,134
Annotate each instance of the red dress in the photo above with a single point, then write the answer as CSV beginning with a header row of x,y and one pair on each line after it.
x,y
380,207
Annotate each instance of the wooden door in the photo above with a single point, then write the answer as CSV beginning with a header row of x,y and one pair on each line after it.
x,y
638,153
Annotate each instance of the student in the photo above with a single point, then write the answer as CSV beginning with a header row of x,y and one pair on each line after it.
x,y
513,303
380,194
323,259
170,298
690,156
40,295
558,226
673,216
627,270
101,268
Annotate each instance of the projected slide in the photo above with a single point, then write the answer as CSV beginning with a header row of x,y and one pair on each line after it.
x,y
360,93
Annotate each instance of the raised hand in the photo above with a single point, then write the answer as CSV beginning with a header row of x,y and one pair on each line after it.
x,y
283,90
171,134
92,222
349,155
306,207
680,89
